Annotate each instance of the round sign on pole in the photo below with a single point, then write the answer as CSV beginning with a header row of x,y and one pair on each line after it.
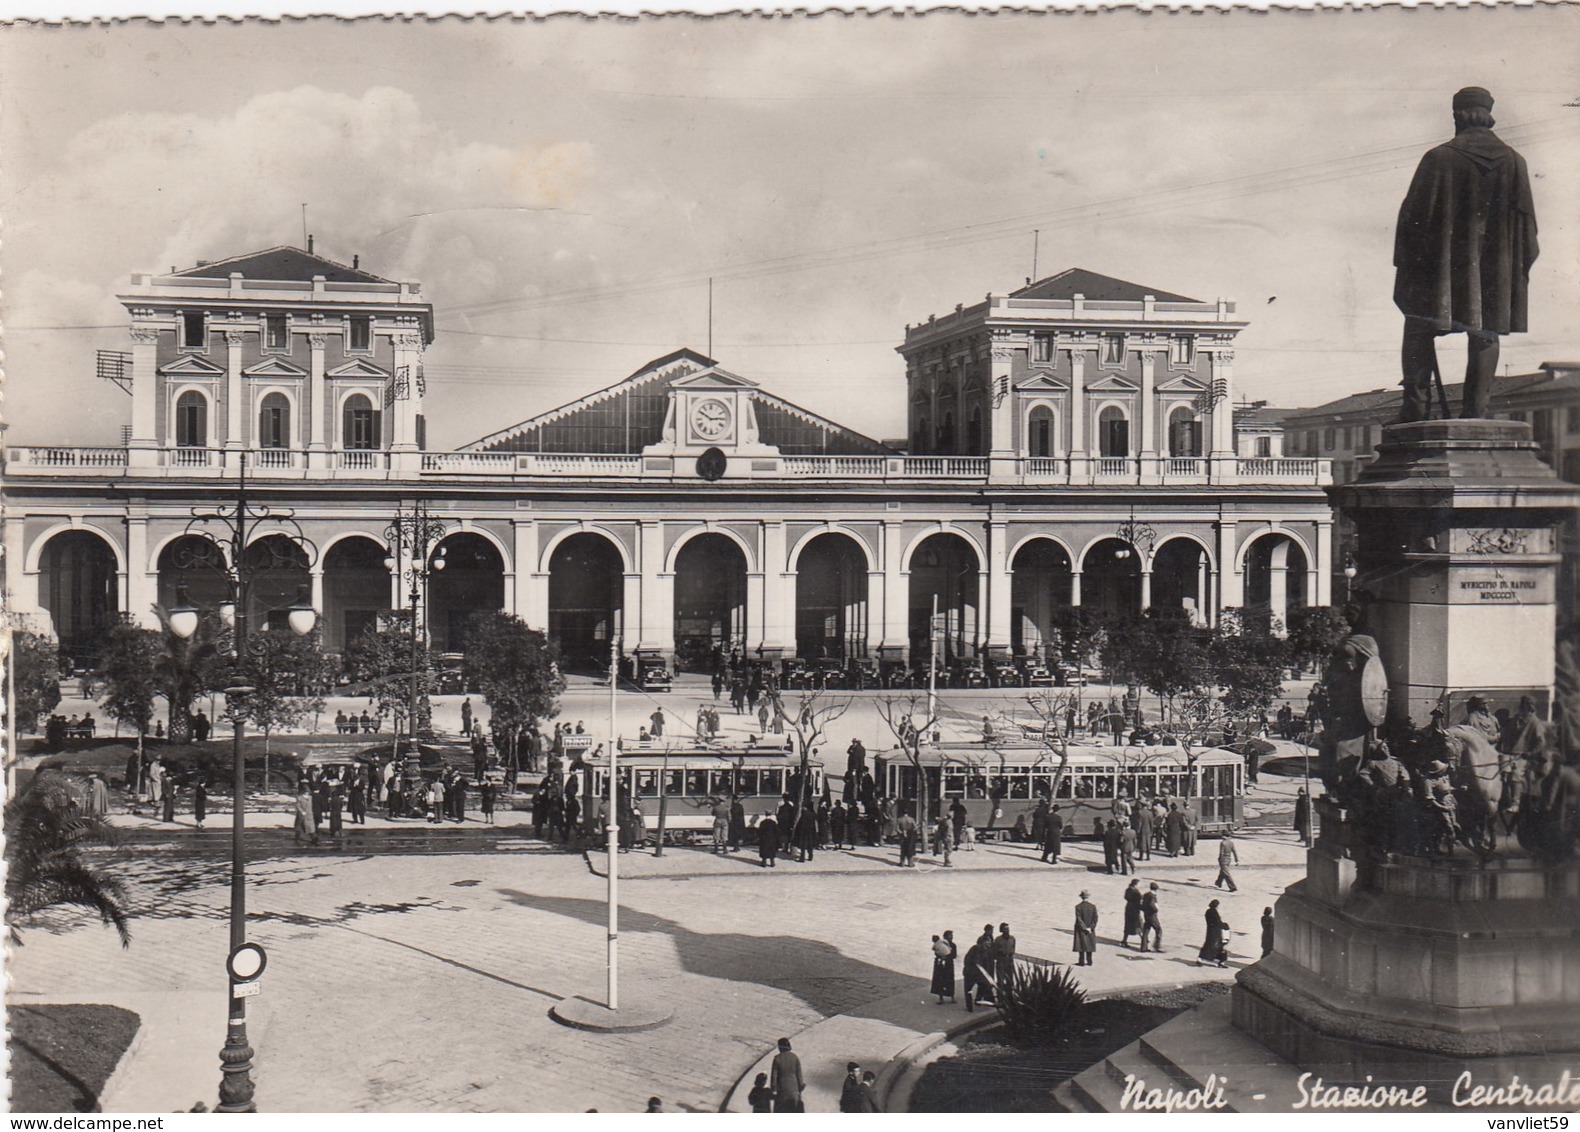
x,y
246,963
1374,691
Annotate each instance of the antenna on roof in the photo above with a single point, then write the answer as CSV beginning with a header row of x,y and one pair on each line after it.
x,y
1036,235
710,317
306,239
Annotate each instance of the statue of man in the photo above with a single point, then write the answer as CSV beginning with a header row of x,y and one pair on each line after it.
x,y
1463,252
1346,730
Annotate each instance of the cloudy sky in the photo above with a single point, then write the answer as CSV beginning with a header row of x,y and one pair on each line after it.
x,y
564,189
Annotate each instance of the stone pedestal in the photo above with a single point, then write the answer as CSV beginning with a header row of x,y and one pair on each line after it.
x,y
1458,557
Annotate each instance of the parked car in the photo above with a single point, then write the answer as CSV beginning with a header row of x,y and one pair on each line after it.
x,y
968,674
1003,674
651,673
860,674
794,674
1034,673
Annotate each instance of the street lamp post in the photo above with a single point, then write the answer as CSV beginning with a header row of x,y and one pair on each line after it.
x,y
414,536
237,519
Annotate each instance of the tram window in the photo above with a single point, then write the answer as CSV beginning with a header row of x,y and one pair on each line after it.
x,y
773,783
976,787
1019,785
720,783
1104,784
696,783
1128,784
1066,784
746,780
1085,786
1042,785
674,781
955,784
1168,785
646,784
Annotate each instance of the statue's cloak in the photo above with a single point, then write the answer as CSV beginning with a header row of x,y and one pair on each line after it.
x,y
1466,237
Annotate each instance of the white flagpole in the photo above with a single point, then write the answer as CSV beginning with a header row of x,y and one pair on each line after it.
x,y
613,824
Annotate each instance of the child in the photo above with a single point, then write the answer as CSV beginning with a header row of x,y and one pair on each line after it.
x,y
761,1098
968,838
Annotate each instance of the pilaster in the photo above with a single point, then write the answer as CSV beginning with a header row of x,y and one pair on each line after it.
x,y
235,402
319,410
145,396
997,590
1231,583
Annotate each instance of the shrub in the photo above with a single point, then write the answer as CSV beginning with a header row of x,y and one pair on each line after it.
x,y
1039,1001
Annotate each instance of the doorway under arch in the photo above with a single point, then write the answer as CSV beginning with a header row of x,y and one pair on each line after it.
x,y
1040,586
472,581
946,566
356,590
831,599
1111,579
77,585
586,596
710,602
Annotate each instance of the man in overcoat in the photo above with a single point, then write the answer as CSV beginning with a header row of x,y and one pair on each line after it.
x,y
1085,930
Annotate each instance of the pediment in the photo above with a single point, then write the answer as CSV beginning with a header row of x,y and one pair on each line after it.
x,y
712,379
1113,383
1042,383
1184,383
275,368
191,365
360,367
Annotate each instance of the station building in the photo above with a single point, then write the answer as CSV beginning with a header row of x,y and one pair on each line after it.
x,y
1070,443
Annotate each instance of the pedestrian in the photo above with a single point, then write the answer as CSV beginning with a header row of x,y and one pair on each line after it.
x,y
1215,948
1142,817
654,1104
337,801
784,1078
1085,930
944,952
968,838
1111,847
357,798
458,796
466,716
768,840
170,801
1127,850
836,824
737,824
305,825
850,1091
1303,816
1151,921
98,800
721,826
1267,932
1174,831
1188,822
869,1092
1052,836
1227,856
906,827
761,1098
942,840
1132,912
572,814
1004,955
805,835
485,794
199,802
657,720
978,980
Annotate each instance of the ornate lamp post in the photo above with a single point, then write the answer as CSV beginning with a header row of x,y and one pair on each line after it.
x,y
412,538
237,521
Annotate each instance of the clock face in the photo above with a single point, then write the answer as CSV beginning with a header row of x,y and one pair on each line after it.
x,y
710,418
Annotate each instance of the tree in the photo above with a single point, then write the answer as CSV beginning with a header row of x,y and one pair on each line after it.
x,y
809,724
516,668
1167,655
1050,708
1248,659
390,664
899,714
286,674
1314,632
186,668
37,673
45,830
127,682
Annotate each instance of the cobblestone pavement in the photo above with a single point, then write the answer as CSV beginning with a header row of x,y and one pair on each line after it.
x,y
423,983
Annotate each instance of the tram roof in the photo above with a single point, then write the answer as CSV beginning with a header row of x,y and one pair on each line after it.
x,y
713,756
990,755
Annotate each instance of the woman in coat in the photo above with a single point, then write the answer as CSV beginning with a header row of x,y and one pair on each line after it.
x,y
944,952
1174,831
1214,948
200,803
1132,911
978,984
768,840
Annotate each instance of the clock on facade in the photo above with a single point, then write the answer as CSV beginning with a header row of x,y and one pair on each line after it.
x,y
710,419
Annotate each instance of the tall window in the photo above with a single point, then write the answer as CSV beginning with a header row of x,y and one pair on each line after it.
x,y
361,336
974,433
359,424
946,435
1264,446
1184,433
191,420
1182,350
194,331
1042,348
274,422
1113,349
919,446
274,333
1113,432
1039,431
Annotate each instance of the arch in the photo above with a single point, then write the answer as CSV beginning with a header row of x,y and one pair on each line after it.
x,y
949,569
586,570
697,532
188,432
280,570
276,416
1262,532
940,529
1113,430
831,597
361,424
1042,429
336,539
1206,547
472,581
546,554
356,587
1181,568
710,571
1277,570
1042,583
1111,580
1027,540
35,551
869,555
1183,431
195,563
1097,540
78,586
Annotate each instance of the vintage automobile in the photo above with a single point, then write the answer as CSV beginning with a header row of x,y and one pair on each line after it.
x,y
1003,674
1033,673
894,674
1069,676
829,673
794,674
861,674
651,675
968,674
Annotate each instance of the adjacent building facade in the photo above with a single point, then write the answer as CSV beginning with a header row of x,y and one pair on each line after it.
x,y
1072,444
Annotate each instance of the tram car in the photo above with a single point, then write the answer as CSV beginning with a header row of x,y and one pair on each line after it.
x,y
1000,782
691,779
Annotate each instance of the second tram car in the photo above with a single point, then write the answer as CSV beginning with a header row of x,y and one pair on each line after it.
x,y
689,781
1001,782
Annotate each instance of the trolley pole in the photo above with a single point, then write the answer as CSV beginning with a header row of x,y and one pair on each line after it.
x,y
613,826
932,664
